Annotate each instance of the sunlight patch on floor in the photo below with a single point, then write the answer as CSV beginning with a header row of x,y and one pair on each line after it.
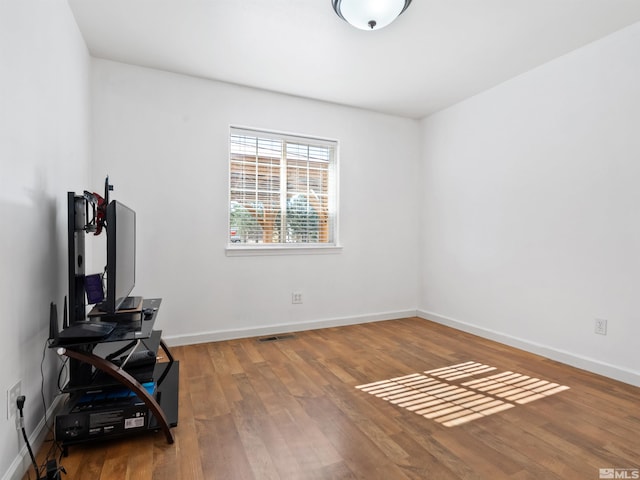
x,y
441,396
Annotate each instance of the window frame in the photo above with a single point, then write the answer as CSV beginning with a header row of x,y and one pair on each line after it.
x,y
249,249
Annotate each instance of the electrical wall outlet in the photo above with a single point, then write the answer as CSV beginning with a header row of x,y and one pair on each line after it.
x,y
600,326
12,397
296,297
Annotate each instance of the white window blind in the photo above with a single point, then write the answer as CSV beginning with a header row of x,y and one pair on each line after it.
x,y
282,189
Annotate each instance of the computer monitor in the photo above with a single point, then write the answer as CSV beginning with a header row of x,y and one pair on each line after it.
x,y
121,256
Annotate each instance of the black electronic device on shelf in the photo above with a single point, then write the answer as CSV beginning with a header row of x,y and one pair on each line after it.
x,y
85,332
79,332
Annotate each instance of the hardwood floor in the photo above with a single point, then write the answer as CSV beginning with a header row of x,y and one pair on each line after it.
x,y
291,409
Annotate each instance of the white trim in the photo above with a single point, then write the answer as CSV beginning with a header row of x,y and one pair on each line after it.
x,y
595,366
220,335
266,249
22,462
601,368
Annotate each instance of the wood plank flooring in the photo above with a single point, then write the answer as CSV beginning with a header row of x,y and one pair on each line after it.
x,y
290,409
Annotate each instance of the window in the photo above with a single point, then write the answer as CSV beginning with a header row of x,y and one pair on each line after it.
x,y
282,190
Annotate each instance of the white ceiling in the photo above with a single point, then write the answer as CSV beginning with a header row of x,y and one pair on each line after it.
x,y
437,53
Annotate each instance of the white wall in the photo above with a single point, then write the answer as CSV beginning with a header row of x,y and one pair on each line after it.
x,y
44,149
163,140
530,224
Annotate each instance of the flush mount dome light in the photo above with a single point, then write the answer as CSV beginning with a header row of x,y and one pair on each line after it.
x,y
369,14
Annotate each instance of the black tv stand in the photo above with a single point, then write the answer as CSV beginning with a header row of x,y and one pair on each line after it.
x,y
110,398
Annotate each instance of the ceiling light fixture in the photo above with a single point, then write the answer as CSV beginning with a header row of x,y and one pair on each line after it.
x,y
369,14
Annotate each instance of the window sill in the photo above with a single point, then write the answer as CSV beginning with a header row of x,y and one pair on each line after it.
x,y
262,249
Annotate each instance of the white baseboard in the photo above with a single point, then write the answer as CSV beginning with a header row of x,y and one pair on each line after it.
x,y
22,462
595,366
569,358
219,335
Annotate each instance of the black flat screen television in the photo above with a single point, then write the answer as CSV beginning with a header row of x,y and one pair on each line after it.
x,y
121,257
